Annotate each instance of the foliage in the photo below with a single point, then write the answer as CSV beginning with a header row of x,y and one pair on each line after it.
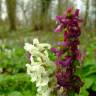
x,y
13,78
88,73
19,85
12,60
18,60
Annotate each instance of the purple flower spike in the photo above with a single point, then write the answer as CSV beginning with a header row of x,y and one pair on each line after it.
x,y
59,28
68,61
65,43
76,13
68,53
69,10
59,18
54,50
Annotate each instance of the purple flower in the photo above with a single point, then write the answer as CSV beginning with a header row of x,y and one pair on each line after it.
x,y
59,28
68,52
64,43
54,50
76,13
59,18
66,63
69,10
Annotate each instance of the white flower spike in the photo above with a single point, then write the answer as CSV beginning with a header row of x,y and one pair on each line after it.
x,y
37,70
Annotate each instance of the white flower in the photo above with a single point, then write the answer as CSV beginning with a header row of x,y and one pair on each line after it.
x,y
34,76
42,82
33,62
43,46
35,41
28,68
29,47
39,59
44,91
37,70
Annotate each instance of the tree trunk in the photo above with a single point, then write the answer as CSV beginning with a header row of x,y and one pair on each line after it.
x,y
94,12
11,10
0,10
45,19
40,19
35,15
66,3
59,7
87,12
62,5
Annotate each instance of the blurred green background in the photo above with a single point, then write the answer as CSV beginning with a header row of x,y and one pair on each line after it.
x,y
23,20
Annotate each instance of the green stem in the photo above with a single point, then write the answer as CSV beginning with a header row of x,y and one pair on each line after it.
x,y
71,93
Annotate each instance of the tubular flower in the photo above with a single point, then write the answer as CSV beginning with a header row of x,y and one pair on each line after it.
x,y
38,69
68,54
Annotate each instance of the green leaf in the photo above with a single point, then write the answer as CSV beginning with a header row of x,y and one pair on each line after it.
x,y
88,83
15,93
71,93
76,63
52,56
94,87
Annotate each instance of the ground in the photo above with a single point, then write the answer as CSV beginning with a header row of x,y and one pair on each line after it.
x,y
13,79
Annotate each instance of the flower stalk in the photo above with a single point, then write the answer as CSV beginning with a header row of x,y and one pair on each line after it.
x,y
68,54
40,67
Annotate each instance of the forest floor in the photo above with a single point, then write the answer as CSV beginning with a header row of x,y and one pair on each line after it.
x,y
13,58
